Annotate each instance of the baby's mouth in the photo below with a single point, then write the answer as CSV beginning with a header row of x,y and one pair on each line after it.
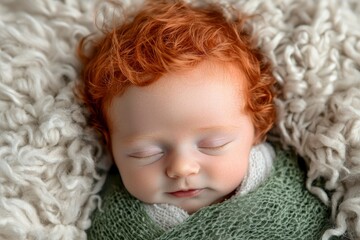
x,y
186,193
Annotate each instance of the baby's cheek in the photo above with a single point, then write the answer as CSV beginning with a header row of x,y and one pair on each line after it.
x,y
142,184
228,174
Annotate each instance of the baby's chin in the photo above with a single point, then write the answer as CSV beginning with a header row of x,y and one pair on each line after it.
x,y
190,204
193,206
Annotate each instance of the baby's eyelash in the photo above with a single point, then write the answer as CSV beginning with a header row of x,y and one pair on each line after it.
x,y
145,156
216,147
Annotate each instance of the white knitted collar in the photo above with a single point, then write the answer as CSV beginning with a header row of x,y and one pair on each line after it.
x,y
260,162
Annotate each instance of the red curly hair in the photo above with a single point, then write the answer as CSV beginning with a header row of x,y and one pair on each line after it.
x,y
167,36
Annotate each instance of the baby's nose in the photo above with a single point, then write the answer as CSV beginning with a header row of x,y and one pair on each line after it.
x,y
181,166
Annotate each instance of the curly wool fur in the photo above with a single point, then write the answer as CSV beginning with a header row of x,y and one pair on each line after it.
x,y
50,160
316,53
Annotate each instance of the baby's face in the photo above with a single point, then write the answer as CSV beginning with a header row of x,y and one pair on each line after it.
x,y
184,140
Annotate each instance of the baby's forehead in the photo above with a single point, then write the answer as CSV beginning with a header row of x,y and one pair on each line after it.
x,y
210,89
213,83
203,73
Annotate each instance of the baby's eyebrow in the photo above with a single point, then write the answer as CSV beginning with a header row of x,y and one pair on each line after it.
x,y
137,138
216,128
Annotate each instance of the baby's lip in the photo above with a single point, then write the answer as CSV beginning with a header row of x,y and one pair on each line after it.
x,y
186,193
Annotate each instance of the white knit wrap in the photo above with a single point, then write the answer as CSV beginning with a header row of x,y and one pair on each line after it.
x,y
261,159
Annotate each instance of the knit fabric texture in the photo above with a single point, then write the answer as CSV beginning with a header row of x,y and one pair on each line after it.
x,y
261,160
281,208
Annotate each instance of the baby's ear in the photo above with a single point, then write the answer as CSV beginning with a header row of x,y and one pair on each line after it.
x,y
258,138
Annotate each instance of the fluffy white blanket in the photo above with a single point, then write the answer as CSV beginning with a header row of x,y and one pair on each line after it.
x,y
52,166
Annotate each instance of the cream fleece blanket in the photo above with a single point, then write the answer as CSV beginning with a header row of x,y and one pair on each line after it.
x,y
51,165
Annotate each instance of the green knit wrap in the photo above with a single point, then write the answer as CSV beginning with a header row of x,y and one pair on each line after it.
x,y
281,208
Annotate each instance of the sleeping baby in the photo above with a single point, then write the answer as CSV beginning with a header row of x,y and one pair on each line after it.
x,y
184,99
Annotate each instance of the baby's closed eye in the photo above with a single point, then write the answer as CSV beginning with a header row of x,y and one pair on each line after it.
x,y
146,153
214,145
